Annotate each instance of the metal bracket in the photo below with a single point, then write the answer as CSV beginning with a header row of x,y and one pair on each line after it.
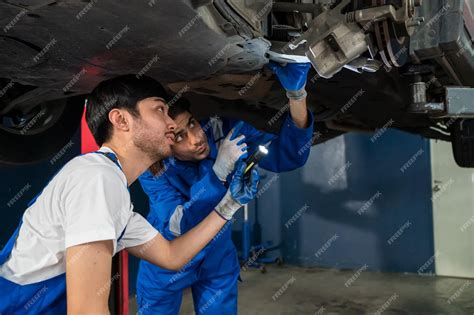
x,y
458,103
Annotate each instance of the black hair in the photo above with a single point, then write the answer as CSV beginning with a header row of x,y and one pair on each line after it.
x,y
180,106
119,92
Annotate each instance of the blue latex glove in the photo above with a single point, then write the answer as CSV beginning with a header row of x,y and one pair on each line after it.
x,y
292,76
241,191
244,188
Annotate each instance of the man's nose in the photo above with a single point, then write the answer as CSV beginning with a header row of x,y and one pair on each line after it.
x,y
170,123
195,139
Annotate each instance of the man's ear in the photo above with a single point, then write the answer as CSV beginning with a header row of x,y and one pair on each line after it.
x,y
119,119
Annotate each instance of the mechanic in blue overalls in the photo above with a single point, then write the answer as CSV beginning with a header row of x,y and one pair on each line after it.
x,y
84,215
195,179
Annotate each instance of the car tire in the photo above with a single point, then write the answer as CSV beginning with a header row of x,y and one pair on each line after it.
x,y
62,119
462,137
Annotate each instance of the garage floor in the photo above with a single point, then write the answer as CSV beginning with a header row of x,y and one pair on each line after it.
x,y
292,290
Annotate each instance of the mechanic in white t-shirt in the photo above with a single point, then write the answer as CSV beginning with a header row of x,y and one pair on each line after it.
x,y
59,258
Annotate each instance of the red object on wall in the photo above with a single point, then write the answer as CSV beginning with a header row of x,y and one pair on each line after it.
x,y
119,287
87,140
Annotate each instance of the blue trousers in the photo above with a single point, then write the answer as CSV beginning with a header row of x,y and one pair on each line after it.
x,y
45,297
213,282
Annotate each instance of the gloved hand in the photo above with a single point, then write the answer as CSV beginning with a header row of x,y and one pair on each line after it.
x,y
292,77
231,150
241,191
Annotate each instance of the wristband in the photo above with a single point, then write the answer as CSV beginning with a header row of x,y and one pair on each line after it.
x,y
296,95
227,206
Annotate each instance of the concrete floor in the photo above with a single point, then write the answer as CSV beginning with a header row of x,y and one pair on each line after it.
x,y
293,290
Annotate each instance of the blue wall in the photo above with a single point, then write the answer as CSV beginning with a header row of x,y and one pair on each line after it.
x,y
331,224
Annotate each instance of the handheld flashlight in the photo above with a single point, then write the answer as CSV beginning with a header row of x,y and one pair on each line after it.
x,y
255,158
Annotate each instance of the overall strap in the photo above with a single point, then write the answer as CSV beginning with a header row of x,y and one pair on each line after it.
x,y
114,159
111,157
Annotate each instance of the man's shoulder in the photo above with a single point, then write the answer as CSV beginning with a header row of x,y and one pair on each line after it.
x,y
88,166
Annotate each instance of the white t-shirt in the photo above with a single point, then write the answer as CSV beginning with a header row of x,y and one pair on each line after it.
x,y
86,201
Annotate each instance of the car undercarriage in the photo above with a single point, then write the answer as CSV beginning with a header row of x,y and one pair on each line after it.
x,y
404,64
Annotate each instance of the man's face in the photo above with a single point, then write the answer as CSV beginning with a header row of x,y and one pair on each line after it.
x,y
153,129
190,140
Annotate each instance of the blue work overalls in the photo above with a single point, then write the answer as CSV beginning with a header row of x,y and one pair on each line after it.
x,y
183,196
44,297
